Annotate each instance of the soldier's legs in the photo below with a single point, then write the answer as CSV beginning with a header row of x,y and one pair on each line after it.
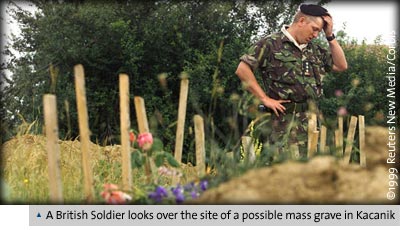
x,y
299,136
289,134
282,137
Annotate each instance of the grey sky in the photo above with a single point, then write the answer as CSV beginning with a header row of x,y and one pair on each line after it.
x,y
364,20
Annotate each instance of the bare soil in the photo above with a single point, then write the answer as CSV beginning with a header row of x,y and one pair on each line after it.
x,y
322,180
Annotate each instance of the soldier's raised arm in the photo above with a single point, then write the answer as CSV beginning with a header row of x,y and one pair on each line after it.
x,y
338,57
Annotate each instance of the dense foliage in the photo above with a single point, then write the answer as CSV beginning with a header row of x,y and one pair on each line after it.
x,y
362,89
140,38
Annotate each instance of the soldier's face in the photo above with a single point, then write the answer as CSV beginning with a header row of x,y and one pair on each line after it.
x,y
311,29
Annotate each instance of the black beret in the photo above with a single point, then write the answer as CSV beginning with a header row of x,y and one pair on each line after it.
x,y
313,10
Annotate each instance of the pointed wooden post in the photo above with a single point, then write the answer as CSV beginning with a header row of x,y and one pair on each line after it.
x,y
340,135
84,132
314,143
312,128
200,145
180,129
248,148
322,147
336,139
230,156
361,134
141,115
143,128
294,151
53,148
350,139
125,124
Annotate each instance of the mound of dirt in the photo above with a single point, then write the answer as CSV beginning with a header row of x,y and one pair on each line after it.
x,y
323,180
376,149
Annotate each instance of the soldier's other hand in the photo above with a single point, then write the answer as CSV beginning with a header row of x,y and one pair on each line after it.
x,y
276,105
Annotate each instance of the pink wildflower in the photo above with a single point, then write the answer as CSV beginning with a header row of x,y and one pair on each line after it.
x,y
342,111
338,93
162,170
145,141
112,195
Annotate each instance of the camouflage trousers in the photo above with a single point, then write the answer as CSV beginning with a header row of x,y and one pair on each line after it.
x,y
290,130
282,133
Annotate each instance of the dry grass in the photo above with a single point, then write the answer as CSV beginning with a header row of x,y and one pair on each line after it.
x,y
24,160
26,170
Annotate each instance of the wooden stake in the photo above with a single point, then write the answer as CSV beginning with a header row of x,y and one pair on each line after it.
x,y
248,148
313,144
153,170
314,118
230,155
84,131
350,139
312,126
147,168
338,152
53,148
141,115
340,136
125,124
143,128
322,147
181,118
294,151
361,134
200,145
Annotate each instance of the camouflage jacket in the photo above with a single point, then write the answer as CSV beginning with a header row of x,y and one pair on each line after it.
x,y
288,72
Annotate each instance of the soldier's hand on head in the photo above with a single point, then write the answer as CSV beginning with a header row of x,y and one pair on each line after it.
x,y
328,28
276,105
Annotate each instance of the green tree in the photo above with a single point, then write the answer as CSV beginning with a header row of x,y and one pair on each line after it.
x,y
142,39
363,85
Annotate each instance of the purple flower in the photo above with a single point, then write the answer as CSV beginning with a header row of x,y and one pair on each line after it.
x,y
189,186
179,198
158,194
203,185
162,191
178,193
194,194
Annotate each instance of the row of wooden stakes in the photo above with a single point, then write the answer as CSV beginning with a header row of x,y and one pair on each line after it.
x,y
53,148
344,153
315,135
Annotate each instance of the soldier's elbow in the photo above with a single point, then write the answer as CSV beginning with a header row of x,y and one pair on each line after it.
x,y
340,68
343,67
